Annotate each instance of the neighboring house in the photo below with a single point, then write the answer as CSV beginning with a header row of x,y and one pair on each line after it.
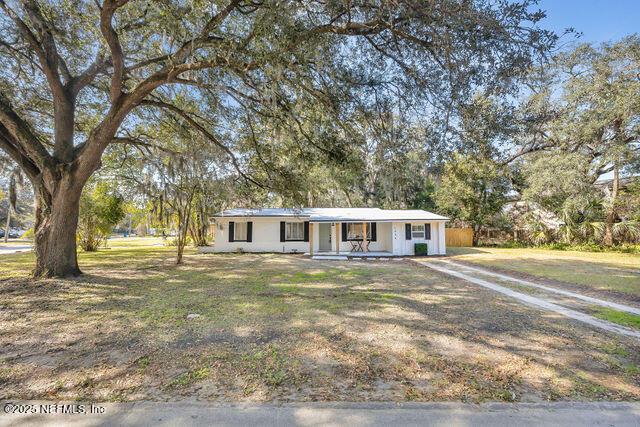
x,y
329,231
522,211
624,182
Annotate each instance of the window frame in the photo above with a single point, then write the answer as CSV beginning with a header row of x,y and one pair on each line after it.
x,y
287,225
356,239
235,231
423,232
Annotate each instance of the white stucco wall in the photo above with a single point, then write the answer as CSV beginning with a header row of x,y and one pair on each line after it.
x,y
266,236
390,237
436,245
442,247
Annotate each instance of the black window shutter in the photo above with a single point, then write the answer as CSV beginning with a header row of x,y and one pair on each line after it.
x,y
344,231
282,232
249,230
407,231
427,231
374,231
306,231
232,226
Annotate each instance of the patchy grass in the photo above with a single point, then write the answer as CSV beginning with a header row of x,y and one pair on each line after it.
x,y
619,317
120,242
615,349
286,328
189,378
598,271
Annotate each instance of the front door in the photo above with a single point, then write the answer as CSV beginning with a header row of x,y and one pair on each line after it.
x,y
324,241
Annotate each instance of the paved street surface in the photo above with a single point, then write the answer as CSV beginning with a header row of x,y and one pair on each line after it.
x,y
338,414
11,249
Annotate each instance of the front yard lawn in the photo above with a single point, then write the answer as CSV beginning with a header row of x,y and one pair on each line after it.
x,y
286,328
604,272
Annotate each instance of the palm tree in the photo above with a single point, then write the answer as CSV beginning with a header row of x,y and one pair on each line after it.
x,y
626,231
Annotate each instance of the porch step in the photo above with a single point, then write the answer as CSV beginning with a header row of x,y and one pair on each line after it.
x,y
330,257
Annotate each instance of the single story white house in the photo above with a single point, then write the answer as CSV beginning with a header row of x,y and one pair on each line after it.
x,y
322,232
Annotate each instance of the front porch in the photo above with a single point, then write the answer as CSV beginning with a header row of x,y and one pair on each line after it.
x,y
350,239
375,239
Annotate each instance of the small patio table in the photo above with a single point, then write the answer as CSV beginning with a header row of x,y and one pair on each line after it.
x,y
356,245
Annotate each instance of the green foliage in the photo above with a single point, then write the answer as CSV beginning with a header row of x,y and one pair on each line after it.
x,y
472,190
421,249
101,208
29,234
536,231
15,195
583,124
619,317
174,241
558,181
276,87
423,195
583,247
629,205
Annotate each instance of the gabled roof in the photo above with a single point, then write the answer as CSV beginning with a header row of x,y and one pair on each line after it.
x,y
335,214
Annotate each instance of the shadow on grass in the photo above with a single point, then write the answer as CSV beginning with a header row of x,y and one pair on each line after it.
x,y
465,250
286,327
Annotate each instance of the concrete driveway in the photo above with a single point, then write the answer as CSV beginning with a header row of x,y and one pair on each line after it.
x,y
485,278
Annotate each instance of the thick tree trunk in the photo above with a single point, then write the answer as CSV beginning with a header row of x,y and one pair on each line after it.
x,y
476,235
6,229
55,228
611,212
199,227
608,230
181,238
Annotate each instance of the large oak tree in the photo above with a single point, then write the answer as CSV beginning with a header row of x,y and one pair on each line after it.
x,y
584,118
77,76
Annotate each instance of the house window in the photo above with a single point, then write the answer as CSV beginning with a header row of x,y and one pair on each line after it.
x,y
294,231
240,231
417,231
354,231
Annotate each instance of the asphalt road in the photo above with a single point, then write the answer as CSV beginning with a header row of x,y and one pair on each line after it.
x,y
11,249
335,414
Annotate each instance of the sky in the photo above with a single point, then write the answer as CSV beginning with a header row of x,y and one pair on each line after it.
x,y
598,20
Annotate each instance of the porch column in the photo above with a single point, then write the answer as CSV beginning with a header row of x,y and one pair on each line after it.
x,y
338,234
442,239
310,239
364,236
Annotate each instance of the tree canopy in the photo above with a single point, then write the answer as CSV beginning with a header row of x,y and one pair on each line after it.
x,y
76,78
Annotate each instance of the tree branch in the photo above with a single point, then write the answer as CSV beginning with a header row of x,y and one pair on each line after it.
x,y
172,108
15,151
45,49
117,56
23,136
140,143
527,150
77,83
